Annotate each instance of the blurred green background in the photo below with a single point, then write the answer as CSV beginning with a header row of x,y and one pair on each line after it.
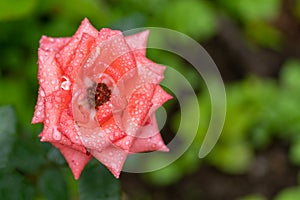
x,y
255,44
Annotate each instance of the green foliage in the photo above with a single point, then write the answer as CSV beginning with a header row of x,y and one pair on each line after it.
x,y
288,194
97,182
253,197
252,10
264,34
52,185
199,20
10,10
7,133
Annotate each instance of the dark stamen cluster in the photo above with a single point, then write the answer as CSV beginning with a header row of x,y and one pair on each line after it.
x,y
102,94
91,95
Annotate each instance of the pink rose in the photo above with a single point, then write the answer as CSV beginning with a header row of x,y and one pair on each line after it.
x,y
97,97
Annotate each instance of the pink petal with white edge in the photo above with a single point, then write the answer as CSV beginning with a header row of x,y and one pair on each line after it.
x,y
53,44
138,42
76,160
112,157
39,113
49,74
66,54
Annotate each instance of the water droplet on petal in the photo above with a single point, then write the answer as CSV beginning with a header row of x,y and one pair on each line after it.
x,y
56,134
66,83
113,165
58,99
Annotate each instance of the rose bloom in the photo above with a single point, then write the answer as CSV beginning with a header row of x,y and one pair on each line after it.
x,y
97,97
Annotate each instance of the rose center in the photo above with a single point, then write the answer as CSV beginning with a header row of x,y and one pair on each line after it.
x,y
102,94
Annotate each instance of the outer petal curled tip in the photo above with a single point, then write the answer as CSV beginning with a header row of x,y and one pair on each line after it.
x,y
138,42
76,160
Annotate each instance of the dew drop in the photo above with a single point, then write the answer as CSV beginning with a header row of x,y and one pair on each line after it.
x,y
58,99
113,165
66,83
56,134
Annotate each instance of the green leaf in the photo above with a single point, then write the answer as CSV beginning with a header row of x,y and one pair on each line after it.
x,y
96,182
52,184
7,133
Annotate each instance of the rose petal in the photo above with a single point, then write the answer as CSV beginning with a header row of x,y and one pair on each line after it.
x,y
140,103
66,54
82,51
53,44
159,98
114,134
104,113
93,138
154,143
104,34
112,157
116,53
49,75
76,160
54,106
39,113
150,73
138,43
67,127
